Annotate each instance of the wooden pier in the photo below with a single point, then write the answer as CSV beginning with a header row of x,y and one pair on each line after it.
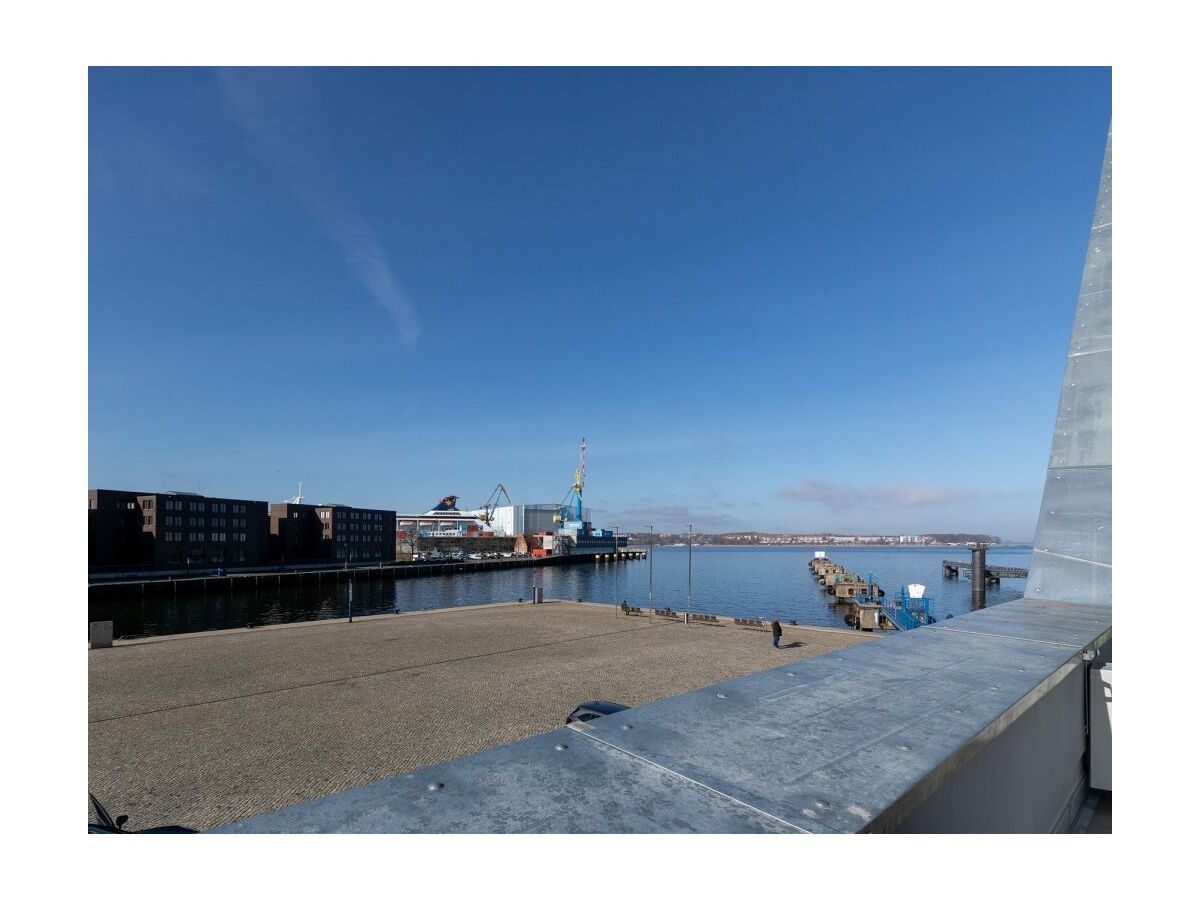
x,y
854,587
992,574
842,584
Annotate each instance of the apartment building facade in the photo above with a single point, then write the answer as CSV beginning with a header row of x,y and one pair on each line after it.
x,y
174,530
115,536
311,532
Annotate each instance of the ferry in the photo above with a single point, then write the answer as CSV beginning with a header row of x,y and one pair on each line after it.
x,y
445,520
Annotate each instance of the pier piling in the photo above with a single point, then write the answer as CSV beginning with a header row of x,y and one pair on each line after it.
x,y
978,574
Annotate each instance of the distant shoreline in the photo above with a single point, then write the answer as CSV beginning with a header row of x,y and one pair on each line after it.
x,y
827,547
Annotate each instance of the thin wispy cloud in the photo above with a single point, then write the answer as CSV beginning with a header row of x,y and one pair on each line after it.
x,y
271,108
837,497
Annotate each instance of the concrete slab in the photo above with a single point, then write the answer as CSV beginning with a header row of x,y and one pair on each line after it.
x,y
220,726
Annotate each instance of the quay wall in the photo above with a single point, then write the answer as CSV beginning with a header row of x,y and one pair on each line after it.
x,y
167,585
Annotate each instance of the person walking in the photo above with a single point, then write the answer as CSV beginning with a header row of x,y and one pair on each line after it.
x,y
776,632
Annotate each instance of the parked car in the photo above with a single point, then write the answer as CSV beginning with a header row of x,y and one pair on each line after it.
x,y
593,709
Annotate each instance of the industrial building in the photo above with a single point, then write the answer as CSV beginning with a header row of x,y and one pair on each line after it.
x,y
114,529
313,532
530,518
174,530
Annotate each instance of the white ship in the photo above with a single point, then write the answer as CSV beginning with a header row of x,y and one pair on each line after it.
x,y
445,520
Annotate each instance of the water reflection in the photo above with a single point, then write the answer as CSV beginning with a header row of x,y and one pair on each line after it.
x,y
738,581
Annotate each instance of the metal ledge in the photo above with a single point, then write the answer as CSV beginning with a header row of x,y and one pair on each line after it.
x,y
849,741
560,783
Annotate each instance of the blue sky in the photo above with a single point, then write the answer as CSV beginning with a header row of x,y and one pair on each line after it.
x,y
796,300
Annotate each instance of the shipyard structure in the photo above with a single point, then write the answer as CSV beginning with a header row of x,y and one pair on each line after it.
x,y
536,529
174,533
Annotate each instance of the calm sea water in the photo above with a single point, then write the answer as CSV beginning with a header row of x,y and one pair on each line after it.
x,y
765,582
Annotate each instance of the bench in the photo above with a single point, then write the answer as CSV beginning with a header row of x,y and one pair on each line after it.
x,y
666,613
750,623
705,618
633,611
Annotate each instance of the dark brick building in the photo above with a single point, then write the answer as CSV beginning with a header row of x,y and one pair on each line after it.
x,y
309,532
115,536
173,530
296,534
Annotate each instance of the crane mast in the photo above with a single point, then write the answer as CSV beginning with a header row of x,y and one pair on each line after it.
x,y
490,504
577,487
573,501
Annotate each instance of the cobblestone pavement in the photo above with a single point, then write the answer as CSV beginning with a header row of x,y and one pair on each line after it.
x,y
206,729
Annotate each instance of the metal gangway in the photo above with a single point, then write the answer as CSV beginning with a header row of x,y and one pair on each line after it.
x,y
911,609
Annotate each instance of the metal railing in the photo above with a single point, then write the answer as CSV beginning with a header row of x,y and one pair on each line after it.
x,y
907,612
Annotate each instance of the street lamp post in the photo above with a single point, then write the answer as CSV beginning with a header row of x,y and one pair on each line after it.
x,y
688,618
650,601
616,546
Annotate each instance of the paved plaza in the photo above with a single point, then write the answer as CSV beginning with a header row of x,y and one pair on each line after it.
x,y
201,730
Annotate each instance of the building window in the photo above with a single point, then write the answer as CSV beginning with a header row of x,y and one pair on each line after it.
x,y
218,536
148,520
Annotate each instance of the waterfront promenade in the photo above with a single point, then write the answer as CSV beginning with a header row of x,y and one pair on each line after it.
x,y
201,730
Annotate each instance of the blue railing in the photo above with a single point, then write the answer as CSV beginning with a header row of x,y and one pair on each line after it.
x,y
901,617
907,612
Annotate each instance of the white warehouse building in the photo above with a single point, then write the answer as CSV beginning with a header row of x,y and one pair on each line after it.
x,y
507,521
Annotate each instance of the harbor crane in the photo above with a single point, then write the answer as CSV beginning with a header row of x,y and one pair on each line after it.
x,y
573,501
489,505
